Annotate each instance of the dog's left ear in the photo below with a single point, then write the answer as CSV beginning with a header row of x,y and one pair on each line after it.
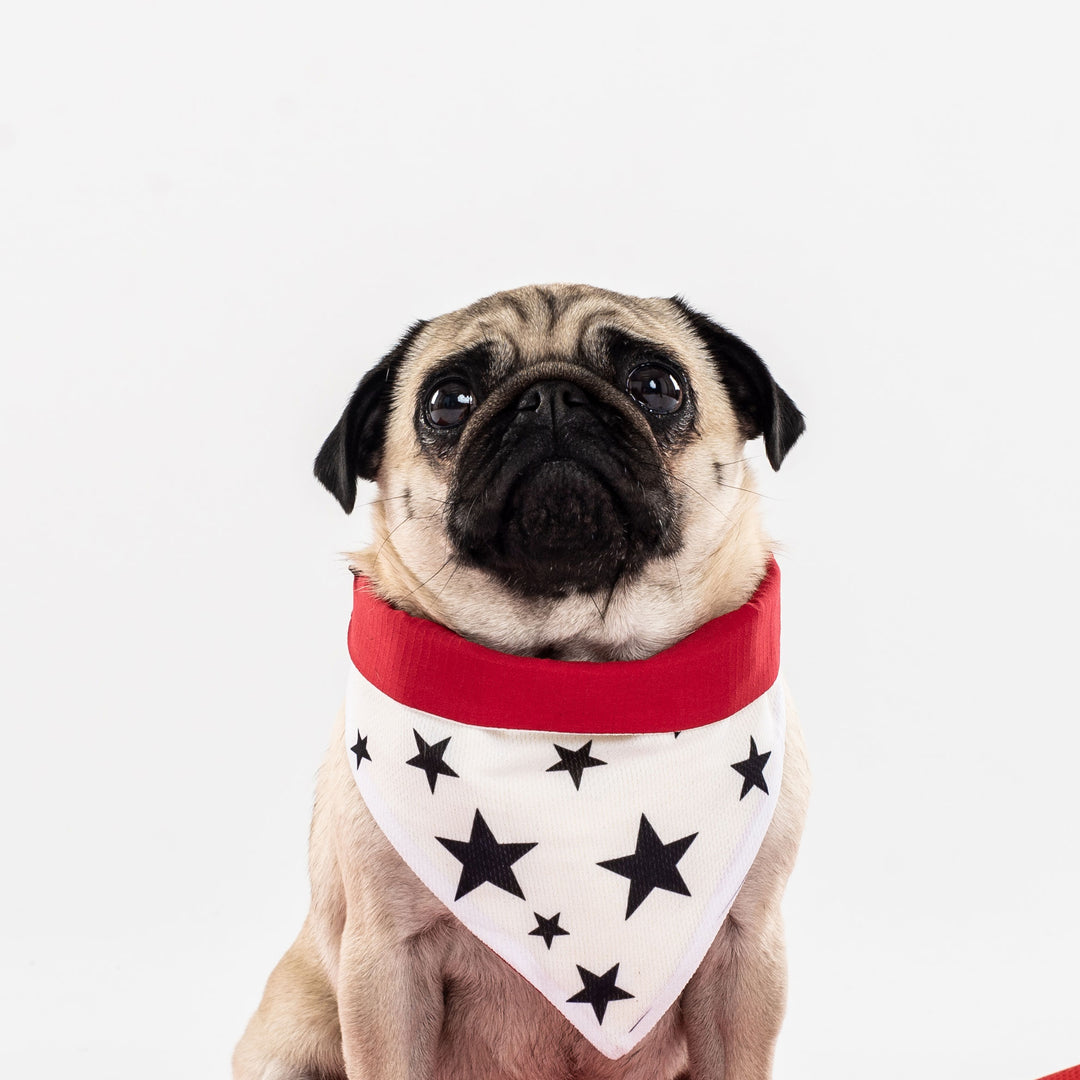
x,y
762,406
353,450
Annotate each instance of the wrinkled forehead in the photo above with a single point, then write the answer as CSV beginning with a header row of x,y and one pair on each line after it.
x,y
540,322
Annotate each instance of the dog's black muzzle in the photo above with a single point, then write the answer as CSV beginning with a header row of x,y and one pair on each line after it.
x,y
559,486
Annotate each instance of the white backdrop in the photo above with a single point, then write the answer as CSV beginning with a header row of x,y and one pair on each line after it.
x,y
216,216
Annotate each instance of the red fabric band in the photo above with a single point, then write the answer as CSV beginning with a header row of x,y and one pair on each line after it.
x,y
716,671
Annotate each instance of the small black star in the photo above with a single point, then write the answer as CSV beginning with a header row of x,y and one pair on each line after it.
x,y
652,866
598,990
575,762
430,759
360,749
483,858
752,770
548,929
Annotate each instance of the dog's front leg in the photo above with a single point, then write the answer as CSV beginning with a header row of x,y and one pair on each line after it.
x,y
733,1006
390,1002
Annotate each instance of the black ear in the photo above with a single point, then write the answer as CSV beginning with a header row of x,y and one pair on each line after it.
x,y
762,406
354,448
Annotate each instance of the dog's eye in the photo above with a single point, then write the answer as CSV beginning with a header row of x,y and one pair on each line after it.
x,y
449,404
655,388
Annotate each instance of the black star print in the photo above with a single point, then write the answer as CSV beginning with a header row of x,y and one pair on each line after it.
x,y
430,759
652,866
483,858
752,770
598,990
575,762
360,749
548,929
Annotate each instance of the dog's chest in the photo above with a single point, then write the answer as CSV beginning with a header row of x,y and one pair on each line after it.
x,y
491,1012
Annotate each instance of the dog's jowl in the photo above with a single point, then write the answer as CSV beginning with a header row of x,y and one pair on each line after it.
x,y
566,790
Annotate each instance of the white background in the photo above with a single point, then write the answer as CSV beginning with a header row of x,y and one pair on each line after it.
x,y
216,216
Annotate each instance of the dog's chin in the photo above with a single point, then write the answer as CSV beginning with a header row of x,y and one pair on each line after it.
x,y
561,529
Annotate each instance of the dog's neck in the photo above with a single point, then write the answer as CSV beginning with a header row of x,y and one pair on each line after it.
x,y
661,605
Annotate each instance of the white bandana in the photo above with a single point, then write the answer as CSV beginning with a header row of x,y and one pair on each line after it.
x,y
600,866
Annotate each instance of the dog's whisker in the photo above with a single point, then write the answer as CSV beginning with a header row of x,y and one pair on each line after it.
x,y
426,581
457,566
678,574
749,491
708,502
386,538
599,610
403,495
668,473
610,596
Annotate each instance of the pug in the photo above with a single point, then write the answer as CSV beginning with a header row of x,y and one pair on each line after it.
x,y
563,481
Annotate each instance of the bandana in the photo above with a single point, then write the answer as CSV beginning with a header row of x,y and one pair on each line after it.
x,y
591,823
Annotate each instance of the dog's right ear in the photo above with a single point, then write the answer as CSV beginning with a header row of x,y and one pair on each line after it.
x,y
763,407
354,448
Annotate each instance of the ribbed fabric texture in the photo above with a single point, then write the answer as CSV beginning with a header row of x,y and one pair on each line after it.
x,y
714,672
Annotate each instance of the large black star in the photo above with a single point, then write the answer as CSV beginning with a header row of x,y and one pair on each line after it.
x,y
598,990
575,762
430,759
752,770
548,929
652,866
483,858
360,749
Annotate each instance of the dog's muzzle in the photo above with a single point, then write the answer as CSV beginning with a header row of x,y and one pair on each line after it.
x,y
559,487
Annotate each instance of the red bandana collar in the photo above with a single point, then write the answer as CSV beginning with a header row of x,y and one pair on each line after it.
x,y
713,673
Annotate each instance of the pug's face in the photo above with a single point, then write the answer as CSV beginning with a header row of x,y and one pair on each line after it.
x,y
554,446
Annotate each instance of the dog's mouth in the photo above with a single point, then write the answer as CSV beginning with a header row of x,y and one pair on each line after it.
x,y
561,499
562,523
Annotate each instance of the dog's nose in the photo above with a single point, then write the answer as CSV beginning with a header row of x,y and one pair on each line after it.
x,y
553,397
